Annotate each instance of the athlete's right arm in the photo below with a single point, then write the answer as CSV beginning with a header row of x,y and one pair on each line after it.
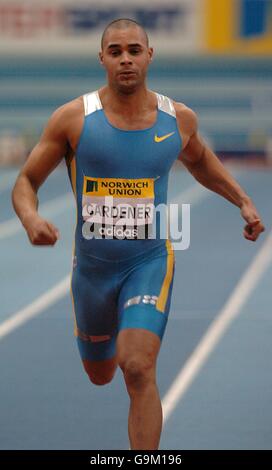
x,y
45,156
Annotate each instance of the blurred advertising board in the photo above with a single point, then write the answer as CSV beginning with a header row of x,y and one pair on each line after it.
x,y
238,26
66,27
175,27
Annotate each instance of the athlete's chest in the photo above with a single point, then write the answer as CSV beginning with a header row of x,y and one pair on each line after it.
x,y
105,148
131,123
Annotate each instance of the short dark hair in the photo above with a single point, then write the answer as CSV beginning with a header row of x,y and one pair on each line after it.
x,y
122,23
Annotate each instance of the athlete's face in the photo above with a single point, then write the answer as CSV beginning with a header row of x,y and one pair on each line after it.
x,y
126,57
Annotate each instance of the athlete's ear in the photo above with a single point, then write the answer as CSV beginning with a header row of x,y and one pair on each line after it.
x,y
101,58
150,53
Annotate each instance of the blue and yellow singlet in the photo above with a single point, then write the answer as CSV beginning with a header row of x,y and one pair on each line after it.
x,y
123,269
119,177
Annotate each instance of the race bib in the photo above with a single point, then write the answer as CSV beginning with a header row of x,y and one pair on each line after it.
x,y
118,208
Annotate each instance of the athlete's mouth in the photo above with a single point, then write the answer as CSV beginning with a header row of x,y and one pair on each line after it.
x,y
127,73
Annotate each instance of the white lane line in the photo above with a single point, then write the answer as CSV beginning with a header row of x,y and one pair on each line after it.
x,y
196,192
218,327
8,178
35,308
192,195
48,209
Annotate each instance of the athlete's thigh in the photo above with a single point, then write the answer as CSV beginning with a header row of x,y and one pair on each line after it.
x,y
137,348
95,309
145,296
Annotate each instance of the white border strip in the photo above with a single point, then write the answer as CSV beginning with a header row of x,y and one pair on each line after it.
x,y
217,329
35,308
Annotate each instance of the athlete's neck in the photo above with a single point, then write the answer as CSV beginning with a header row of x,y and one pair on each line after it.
x,y
130,104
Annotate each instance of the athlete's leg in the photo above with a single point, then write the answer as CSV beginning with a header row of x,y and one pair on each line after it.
x,y
144,304
100,372
98,356
137,351
95,317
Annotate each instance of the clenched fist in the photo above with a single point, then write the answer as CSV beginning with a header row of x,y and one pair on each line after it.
x,y
40,231
254,226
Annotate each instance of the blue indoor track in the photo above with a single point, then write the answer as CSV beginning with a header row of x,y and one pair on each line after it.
x,y
47,400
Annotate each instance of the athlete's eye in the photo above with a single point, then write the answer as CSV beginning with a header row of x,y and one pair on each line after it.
x,y
135,51
115,53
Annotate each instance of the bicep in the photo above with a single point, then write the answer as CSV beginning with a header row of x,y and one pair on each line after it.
x,y
193,143
47,154
193,151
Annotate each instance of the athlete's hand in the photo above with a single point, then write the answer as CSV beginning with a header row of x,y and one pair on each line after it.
x,y
40,231
254,226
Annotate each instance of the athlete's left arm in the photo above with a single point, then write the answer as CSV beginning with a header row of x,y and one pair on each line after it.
x,y
208,170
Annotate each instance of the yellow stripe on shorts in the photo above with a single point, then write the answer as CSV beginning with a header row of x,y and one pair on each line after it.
x,y
162,299
73,174
73,180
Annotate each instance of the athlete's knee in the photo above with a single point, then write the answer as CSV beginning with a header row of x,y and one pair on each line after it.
x,y
139,371
99,376
98,380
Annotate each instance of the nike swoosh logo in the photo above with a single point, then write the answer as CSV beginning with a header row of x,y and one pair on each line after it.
x,y
163,137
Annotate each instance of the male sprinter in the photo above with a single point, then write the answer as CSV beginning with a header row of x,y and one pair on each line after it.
x,y
119,143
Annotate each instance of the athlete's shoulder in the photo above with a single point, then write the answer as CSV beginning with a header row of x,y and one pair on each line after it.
x,y
184,114
68,110
65,122
163,102
186,117
65,118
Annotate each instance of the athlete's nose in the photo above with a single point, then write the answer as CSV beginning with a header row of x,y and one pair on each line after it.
x,y
125,58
